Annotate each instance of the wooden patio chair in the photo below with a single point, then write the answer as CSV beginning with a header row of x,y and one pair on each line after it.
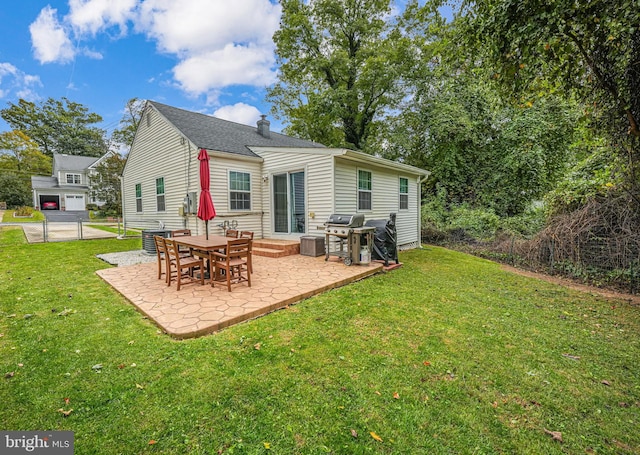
x,y
163,258
185,266
184,251
232,233
234,262
248,235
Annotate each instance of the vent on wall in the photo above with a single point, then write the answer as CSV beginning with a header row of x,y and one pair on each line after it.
x,y
182,140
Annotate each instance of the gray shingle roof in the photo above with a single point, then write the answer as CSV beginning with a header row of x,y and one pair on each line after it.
x,y
74,162
212,133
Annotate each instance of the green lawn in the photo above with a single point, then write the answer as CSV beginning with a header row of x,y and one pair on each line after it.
x,y
446,355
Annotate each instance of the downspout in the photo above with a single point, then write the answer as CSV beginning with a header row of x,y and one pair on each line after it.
x,y
124,218
420,182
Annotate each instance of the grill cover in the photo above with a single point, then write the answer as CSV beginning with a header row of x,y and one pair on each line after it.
x,y
356,220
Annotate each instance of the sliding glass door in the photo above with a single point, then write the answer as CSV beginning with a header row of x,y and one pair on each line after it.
x,y
289,203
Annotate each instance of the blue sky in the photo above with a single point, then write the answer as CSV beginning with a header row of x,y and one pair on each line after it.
x,y
209,56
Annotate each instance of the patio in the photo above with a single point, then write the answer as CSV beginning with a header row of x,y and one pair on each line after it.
x,y
197,310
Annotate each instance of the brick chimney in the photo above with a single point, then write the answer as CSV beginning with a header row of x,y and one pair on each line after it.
x,y
263,127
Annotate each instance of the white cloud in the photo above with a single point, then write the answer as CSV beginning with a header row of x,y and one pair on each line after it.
x,y
230,65
239,113
49,39
16,83
217,43
92,16
193,26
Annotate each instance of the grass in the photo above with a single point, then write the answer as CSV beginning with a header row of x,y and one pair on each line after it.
x,y
115,230
448,354
8,217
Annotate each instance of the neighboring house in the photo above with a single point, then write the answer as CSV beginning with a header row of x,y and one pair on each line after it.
x,y
70,184
275,185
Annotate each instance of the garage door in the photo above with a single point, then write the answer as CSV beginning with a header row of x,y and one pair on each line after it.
x,y
74,202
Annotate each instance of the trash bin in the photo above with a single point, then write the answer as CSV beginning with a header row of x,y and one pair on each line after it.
x,y
148,244
311,245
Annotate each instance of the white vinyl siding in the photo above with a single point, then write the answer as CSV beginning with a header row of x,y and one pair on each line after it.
x,y
384,197
155,154
319,199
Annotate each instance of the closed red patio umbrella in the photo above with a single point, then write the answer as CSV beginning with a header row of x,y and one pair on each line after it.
x,y
206,210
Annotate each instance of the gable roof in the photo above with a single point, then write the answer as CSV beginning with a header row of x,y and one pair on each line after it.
x,y
73,162
215,134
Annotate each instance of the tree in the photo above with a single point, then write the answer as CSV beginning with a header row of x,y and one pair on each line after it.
x,y
591,49
480,150
343,65
105,183
14,190
20,154
58,126
20,158
129,123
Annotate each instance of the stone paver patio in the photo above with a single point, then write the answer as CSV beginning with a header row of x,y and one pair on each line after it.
x,y
198,310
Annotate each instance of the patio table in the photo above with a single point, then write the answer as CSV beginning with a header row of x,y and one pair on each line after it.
x,y
204,244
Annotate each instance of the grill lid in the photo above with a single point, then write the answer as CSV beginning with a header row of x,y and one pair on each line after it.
x,y
355,220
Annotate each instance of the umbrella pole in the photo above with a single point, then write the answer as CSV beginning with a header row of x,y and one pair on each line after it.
x,y
206,228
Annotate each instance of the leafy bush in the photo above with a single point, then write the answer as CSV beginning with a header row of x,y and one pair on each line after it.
x,y
24,211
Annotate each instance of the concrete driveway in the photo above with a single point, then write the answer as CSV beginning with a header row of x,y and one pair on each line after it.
x,y
60,231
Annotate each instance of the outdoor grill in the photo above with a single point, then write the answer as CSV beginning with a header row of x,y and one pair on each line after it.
x,y
346,238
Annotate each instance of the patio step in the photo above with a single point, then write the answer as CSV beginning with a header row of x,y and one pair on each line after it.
x,y
275,248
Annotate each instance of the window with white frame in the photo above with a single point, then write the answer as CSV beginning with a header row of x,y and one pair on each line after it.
x,y
160,207
74,179
404,193
364,190
139,197
239,190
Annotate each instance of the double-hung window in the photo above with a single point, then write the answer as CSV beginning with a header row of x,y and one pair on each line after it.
x,y
160,207
404,193
74,179
139,197
364,190
239,190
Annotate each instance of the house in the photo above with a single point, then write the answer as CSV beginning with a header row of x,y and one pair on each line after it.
x,y
269,183
69,186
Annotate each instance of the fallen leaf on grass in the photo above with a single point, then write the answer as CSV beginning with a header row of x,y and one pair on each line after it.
x,y
354,433
257,346
375,436
396,395
267,445
138,386
65,413
426,363
605,382
66,400
377,393
572,357
152,442
97,367
9,374
121,366
556,435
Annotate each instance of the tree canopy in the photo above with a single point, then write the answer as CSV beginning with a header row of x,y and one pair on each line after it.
x,y
58,126
590,49
343,66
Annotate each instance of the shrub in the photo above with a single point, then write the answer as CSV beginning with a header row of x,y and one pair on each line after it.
x,y
24,211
